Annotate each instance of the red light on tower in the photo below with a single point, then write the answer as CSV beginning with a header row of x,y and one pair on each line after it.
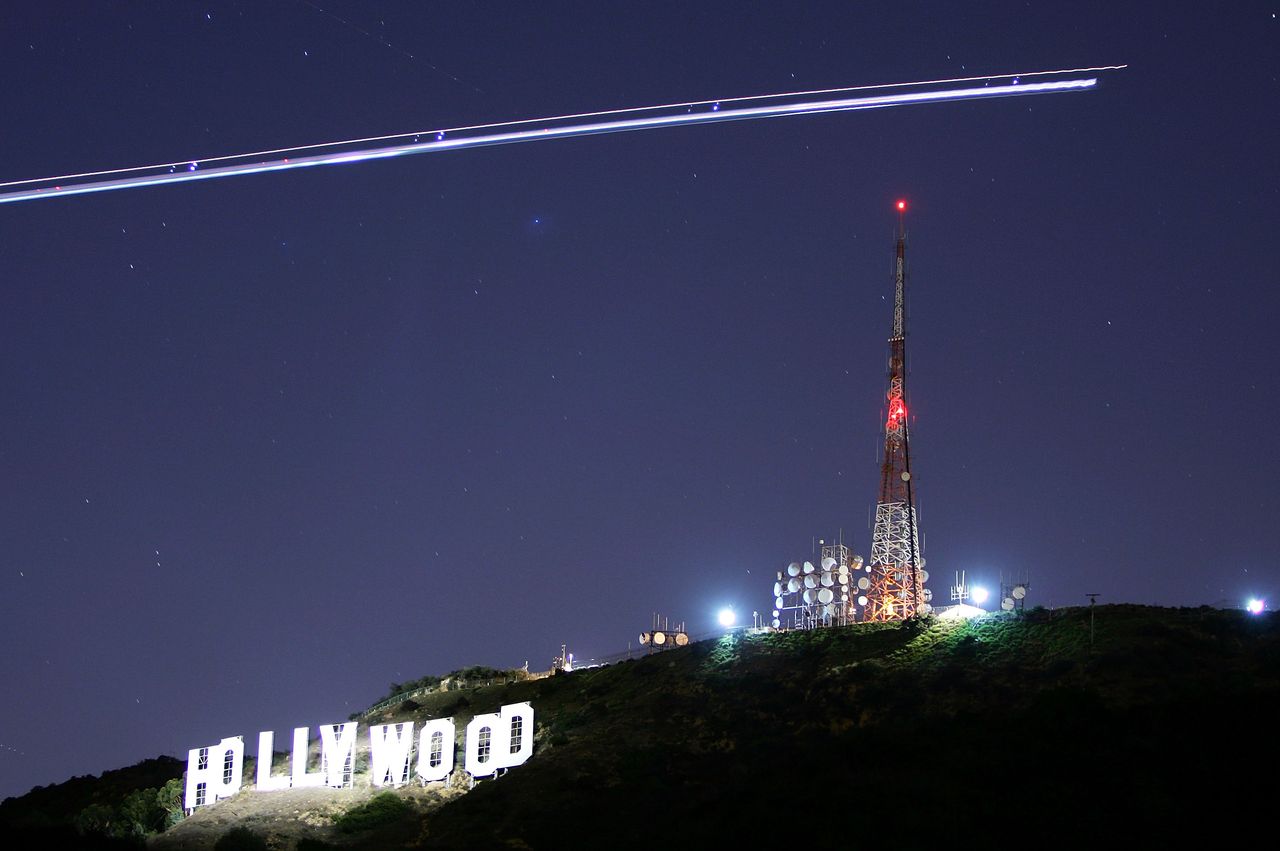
x,y
902,206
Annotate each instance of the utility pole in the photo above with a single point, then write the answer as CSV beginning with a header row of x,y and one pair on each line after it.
x,y
1093,598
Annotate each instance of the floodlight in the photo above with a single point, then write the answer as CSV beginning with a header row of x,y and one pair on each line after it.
x,y
1255,606
727,617
979,595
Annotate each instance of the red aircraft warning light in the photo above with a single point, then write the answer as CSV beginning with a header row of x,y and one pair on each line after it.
x,y
902,206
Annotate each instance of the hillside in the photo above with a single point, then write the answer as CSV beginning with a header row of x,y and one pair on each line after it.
x,y
916,732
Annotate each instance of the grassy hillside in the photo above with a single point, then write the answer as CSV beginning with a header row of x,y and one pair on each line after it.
x,y
912,733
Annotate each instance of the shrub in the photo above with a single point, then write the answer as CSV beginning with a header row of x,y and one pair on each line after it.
x,y
381,809
240,839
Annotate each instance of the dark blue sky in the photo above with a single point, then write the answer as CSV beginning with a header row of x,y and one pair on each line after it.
x,y
268,444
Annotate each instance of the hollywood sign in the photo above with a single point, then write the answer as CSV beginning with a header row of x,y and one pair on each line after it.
x,y
494,741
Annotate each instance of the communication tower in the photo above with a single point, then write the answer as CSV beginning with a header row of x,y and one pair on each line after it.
x,y
808,595
896,570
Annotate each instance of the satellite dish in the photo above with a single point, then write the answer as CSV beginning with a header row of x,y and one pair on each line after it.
x,y
775,613
659,638
921,563
793,569
1019,591
644,638
681,639
864,583
925,608
777,589
777,601
825,596
1007,604
793,584
844,579
928,594
827,580
924,574
810,596
829,611
811,581
844,570
862,601
844,594
776,623
808,567
828,563
856,561
868,568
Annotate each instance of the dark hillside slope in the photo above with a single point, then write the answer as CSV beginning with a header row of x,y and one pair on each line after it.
x,y
910,732
906,734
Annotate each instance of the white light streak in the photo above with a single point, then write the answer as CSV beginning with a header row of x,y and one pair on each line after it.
x,y
558,127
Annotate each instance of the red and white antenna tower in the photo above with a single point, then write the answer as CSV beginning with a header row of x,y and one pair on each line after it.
x,y
896,569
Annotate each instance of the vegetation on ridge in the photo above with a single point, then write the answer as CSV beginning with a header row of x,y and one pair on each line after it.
x,y
914,731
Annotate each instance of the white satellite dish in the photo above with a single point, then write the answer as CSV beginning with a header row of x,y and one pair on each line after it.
x,y
864,583
921,562
856,561
1019,591
808,567
924,575
644,638
825,596
867,568
928,594
793,569
925,608
827,580
777,589
843,570
862,601
844,579
844,594
777,601
828,563
811,581
659,638
776,623
681,639
793,584
1007,604
775,613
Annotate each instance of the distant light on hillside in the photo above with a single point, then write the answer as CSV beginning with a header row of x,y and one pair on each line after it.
x,y
1255,606
727,617
979,595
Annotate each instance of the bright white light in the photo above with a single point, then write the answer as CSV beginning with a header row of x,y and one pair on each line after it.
x,y
1255,606
979,595
727,617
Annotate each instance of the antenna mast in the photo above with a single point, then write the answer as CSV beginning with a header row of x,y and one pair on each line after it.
x,y
897,572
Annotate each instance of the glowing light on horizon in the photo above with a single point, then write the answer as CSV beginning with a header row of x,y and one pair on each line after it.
x,y
1255,606
727,617
979,595
557,127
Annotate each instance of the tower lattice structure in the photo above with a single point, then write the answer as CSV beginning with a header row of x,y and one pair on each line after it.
x,y
896,567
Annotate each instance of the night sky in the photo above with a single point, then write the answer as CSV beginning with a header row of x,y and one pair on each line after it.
x,y
270,443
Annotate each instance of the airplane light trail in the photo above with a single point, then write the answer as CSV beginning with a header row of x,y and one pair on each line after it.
x,y
559,127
